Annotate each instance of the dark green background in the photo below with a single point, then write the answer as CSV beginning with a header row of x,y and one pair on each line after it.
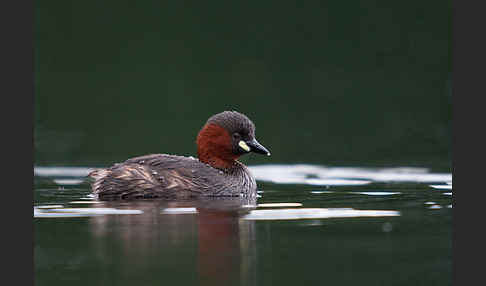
x,y
329,82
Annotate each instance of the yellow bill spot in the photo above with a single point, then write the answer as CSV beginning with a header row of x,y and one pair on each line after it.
x,y
244,146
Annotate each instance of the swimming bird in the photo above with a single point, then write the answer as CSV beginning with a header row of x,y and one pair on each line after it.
x,y
216,172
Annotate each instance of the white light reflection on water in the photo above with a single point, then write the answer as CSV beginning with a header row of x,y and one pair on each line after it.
x,y
62,171
442,187
68,181
43,212
49,207
300,174
179,211
58,211
315,213
376,193
85,202
279,205
333,182
313,174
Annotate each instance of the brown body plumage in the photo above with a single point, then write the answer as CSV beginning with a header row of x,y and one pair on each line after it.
x,y
223,138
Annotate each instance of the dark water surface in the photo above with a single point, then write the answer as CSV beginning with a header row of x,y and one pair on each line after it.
x,y
310,225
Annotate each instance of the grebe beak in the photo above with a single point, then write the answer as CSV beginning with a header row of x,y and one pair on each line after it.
x,y
256,147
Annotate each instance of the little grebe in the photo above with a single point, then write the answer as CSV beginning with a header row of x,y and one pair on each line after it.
x,y
225,137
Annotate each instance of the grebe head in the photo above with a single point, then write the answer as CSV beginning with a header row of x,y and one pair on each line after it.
x,y
225,137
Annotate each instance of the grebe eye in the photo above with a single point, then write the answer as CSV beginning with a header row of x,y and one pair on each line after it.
x,y
236,135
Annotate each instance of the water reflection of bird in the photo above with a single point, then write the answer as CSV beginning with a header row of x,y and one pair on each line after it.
x,y
206,240
222,140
